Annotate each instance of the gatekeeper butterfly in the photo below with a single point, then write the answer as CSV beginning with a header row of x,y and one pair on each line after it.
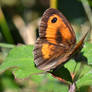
x,y
57,41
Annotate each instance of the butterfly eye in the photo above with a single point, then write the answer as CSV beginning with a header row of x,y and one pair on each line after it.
x,y
54,20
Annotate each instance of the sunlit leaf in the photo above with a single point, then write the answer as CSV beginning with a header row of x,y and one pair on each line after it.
x,y
20,60
86,80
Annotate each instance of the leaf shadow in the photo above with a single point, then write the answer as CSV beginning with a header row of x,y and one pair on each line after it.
x,y
62,74
80,58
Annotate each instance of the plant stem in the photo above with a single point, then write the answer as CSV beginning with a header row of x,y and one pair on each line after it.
x,y
53,4
6,45
5,28
72,88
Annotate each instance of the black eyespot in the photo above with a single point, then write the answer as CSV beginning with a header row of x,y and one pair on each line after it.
x,y
54,20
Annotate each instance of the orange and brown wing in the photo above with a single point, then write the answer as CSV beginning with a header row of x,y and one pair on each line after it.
x,y
56,39
56,29
47,54
75,50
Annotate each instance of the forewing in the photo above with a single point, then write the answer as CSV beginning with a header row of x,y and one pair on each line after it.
x,y
56,29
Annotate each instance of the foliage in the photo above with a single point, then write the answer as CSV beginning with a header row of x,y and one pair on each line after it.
x,y
20,62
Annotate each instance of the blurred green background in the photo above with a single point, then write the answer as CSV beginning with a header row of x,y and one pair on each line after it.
x,y
19,24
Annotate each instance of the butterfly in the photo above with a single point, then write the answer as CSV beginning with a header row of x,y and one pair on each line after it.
x,y
57,41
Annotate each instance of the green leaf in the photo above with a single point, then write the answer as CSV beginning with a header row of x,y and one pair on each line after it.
x,y
84,69
86,80
72,66
88,52
7,82
47,83
38,78
20,60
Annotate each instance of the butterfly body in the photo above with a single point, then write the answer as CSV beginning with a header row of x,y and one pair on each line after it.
x,y
56,42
